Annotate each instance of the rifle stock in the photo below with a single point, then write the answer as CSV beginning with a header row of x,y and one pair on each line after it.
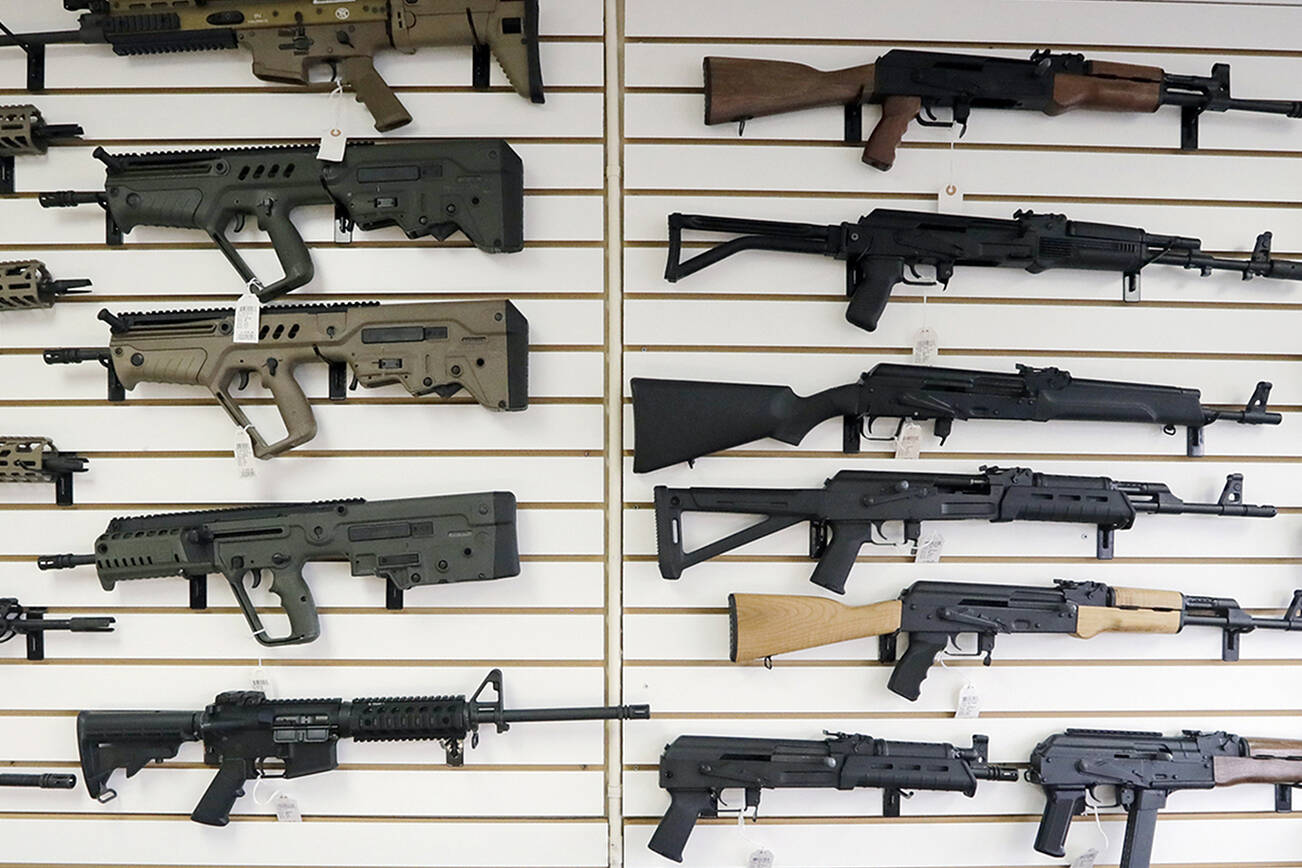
x,y
766,624
738,88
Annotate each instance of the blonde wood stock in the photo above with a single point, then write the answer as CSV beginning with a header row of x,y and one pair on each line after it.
x,y
1143,598
1093,620
768,624
1246,770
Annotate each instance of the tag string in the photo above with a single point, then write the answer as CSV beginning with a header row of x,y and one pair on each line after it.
x,y
1093,807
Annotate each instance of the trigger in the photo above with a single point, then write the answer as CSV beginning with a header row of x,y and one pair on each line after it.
x,y
944,272
244,381
257,578
238,226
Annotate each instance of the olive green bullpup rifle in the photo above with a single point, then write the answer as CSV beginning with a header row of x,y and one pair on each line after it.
x,y
432,349
417,541
287,38
432,188
34,459
27,285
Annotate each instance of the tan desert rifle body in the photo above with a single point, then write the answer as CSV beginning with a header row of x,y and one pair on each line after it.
x,y
289,37
35,459
24,133
27,285
435,348
933,614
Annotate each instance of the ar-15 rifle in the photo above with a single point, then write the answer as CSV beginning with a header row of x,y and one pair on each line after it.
x,y
432,188
35,459
696,769
883,244
851,508
682,420
437,348
24,133
27,285
30,621
913,84
242,730
934,614
287,38
416,541
1145,767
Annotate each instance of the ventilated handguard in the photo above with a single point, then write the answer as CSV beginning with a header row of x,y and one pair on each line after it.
x,y
24,133
34,459
27,285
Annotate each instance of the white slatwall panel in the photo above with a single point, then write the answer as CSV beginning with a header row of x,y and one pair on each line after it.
x,y
774,318
533,796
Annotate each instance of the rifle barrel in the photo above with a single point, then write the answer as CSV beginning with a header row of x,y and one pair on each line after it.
x,y
48,37
600,712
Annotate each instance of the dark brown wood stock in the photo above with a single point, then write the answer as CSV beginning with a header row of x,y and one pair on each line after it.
x,y
1276,747
1227,771
737,88
897,112
1107,94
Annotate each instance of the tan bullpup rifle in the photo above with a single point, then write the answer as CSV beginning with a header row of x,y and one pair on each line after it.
x,y
34,459
287,38
911,85
24,133
28,285
932,615
432,349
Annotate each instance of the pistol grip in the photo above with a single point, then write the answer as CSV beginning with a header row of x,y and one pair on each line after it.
x,y
214,809
911,669
295,258
295,412
1059,809
685,807
374,92
897,112
288,584
869,284
838,557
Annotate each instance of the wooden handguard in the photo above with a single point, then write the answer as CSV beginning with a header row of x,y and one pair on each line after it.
x,y
1146,598
762,625
1228,771
1275,747
897,112
1093,620
1100,93
737,88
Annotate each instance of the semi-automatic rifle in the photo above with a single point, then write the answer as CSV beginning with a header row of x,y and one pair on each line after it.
x,y
288,38
24,133
696,769
35,459
932,615
1146,767
432,349
243,730
411,542
432,188
30,621
682,420
852,507
28,285
912,85
882,246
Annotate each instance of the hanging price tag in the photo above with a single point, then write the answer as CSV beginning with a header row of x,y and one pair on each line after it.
x,y
1086,859
333,140
245,463
286,808
760,859
969,701
929,548
950,199
248,316
925,346
908,443
261,681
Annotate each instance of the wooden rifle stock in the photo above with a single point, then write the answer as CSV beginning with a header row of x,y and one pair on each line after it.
x,y
766,624
737,88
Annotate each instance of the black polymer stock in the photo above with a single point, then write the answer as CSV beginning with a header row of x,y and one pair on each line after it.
x,y
881,247
682,420
852,507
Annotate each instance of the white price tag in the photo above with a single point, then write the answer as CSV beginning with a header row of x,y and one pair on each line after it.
x,y
760,859
1086,859
261,681
969,701
950,199
930,545
248,317
287,809
908,443
245,463
333,140
925,346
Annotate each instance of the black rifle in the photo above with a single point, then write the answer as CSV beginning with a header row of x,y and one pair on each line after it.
x,y
882,245
433,188
682,420
934,614
30,621
44,782
242,730
696,769
851,508
1145,767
